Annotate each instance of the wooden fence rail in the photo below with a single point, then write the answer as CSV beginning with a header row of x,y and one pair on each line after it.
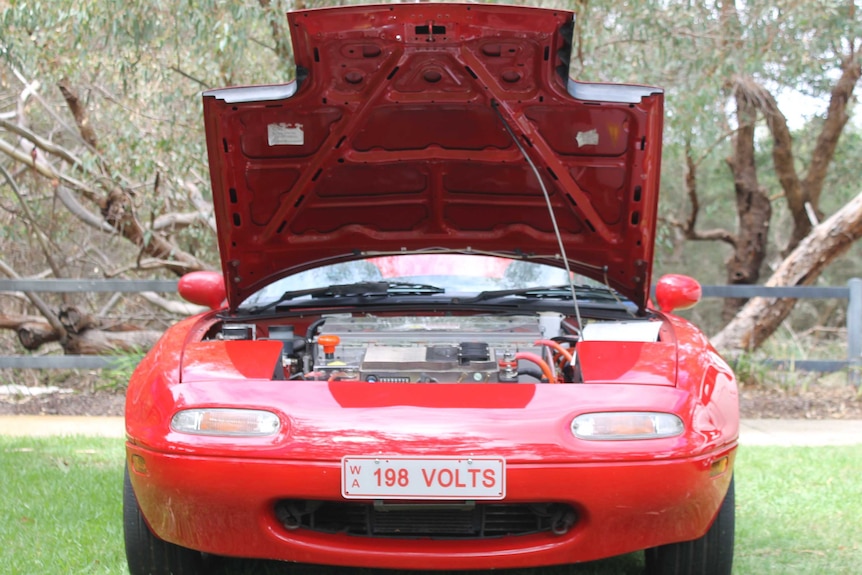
x,y
852,292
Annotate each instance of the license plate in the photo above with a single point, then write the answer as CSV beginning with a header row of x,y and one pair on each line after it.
x,y
423,478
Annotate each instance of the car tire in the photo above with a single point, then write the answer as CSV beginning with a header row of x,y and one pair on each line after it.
x,y
146,554
711,554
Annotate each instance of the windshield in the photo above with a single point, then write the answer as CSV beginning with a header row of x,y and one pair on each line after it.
x,y
455,273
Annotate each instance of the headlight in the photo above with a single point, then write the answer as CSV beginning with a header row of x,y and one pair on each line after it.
x,y
229,422
626,425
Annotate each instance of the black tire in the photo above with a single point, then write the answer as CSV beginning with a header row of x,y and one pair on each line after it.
x,y
146,554
711,554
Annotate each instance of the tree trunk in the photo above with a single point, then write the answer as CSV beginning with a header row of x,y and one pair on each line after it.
x,y
98,342
33,333
827,140
752,205
75,321
760,317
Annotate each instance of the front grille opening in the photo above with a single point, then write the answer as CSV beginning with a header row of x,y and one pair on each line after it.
x,y
427,520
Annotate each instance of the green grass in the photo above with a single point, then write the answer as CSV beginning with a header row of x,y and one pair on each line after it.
x,y
61,506
798,512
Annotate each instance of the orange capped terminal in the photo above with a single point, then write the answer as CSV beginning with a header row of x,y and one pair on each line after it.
x,y
329,342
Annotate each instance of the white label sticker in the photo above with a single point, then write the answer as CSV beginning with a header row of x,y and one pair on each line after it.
x,y
285,135
621,331
590,138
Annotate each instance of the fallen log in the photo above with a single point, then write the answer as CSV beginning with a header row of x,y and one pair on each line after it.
x,y
75,321
761,316
33,333
100,342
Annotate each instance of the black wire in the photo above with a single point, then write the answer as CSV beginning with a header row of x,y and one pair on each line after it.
x,y
529,372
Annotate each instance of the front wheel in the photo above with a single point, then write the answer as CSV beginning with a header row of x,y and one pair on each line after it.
x,y
146,554
711,554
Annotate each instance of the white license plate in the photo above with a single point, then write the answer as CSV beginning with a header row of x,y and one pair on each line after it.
x,y
423,478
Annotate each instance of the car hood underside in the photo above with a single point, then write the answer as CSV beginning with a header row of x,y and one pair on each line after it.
x,y
434,128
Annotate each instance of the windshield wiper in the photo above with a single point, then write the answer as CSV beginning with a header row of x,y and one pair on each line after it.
x,y
563,292
358,289
410,288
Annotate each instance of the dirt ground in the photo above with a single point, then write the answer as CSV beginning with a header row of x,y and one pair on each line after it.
x,y
818,401
76,403
836,400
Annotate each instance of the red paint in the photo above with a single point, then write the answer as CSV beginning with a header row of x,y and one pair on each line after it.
x,y
677,292
203,288
651,363
198,483
333,169
682,500
360,395
230,360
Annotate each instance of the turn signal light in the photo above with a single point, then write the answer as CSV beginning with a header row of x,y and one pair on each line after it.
x,y
139,464
227,422
719,467
624,425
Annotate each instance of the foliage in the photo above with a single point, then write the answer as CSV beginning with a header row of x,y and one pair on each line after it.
x,y
120,372
141,78
139,68
793,51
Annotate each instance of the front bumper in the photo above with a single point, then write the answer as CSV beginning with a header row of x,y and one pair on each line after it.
x,y
226,506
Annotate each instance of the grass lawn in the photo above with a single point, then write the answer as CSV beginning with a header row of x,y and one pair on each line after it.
x,y
61,506
798,512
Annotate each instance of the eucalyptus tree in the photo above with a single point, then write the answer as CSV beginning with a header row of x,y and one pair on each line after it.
x,y
101,139
727,68
101,143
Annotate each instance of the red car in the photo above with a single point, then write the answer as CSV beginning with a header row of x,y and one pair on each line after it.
x,y
432,344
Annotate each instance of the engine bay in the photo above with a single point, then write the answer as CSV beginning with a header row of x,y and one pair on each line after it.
x,y
424,349
417,348
407,349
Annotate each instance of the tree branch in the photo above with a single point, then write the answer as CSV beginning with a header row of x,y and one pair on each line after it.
x,y
29,217
177,221
282,46
188,76
116,206
759,318
782,154
203,206
39,303
689,228
79,112
13,320
42,143
174,307
76,209
145,264
47,171
833,126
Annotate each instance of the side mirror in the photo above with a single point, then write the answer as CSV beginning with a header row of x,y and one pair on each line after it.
x,y
675,291
203,288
